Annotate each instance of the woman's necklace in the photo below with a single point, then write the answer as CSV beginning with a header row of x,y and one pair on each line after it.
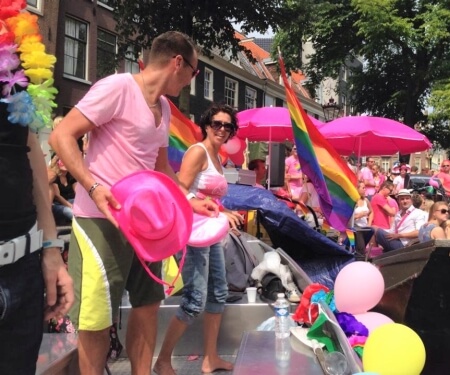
x,y
144,87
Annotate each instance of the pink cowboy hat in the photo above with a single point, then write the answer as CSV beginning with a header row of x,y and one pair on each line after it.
x,y
156,218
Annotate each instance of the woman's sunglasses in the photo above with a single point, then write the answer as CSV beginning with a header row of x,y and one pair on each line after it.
x,y
217,125
443,211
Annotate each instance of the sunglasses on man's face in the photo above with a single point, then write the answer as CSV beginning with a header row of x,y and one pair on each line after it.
x,y
443,211
195,72
217,125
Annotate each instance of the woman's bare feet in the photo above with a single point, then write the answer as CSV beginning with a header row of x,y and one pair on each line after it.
x,y
212,364
163,368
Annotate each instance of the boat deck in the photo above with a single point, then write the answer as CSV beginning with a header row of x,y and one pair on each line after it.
x,y
183,365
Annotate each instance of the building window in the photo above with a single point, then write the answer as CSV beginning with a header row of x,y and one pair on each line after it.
x,y
231,87
131,60
208,84
107,3
418,162
106,53
386,164
250,98
75,47
269,101
36,4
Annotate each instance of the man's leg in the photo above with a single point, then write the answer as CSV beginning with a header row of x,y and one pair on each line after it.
x,y
386,244
93,348
98,252
145,296
163,365
141,337
195,276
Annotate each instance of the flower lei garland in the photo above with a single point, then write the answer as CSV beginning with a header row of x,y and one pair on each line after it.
x,y
23,62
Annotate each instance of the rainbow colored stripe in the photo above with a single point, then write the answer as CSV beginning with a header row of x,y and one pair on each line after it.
x,y
183,133
351,238
334,181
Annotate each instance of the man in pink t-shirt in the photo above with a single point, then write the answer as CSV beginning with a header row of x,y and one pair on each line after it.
x,y
366,176
382,207
444,176
128,118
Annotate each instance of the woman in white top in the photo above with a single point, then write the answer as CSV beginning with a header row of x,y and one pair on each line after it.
x,y
204,276
309,196
363,214
399,181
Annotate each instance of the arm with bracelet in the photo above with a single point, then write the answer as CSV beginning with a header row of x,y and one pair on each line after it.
x,y
64,141
58,284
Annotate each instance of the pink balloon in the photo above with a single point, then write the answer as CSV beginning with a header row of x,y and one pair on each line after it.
x,y
373,320
238,158
359,286
232,146
434,183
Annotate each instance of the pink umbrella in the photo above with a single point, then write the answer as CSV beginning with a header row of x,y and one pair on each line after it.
x,y
267,124
365,135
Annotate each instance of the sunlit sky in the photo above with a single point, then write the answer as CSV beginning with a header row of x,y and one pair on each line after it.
x,y
268,34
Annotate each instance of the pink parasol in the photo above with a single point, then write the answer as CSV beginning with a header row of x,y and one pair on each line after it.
x,y
365,135
267,124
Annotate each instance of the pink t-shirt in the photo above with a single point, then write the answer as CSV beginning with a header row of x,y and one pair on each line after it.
x,y
366,174
445,180
380,217
125,139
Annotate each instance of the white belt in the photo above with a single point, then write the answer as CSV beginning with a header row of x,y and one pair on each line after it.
x,y
11,251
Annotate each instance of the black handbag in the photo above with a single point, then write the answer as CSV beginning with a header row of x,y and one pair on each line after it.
x,y
270,287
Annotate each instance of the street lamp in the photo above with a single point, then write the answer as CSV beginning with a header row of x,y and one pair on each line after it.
x,y
331,110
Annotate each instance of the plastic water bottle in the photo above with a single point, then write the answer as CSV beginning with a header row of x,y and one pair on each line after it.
x,y
281,307
282,352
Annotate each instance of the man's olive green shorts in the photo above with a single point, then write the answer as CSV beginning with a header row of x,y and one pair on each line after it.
x,y
102,264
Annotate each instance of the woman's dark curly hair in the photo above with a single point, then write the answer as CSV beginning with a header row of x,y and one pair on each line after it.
x,y
208,115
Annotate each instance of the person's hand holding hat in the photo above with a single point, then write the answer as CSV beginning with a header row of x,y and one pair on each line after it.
x,y
235,218
206,207
104,200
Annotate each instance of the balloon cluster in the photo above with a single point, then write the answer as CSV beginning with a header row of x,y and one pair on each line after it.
x,y
390,348
235,148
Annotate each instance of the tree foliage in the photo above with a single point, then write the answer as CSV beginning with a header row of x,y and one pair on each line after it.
x,y
211,23
405,46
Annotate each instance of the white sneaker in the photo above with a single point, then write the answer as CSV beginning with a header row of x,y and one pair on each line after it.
x,y
293,295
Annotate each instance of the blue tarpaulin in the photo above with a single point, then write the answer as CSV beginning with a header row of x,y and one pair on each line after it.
x,y
320,257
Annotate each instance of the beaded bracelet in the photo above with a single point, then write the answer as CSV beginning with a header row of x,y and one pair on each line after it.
x,y
93,187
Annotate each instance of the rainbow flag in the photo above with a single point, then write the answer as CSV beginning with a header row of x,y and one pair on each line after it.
x,y
183,133
334,181
351,238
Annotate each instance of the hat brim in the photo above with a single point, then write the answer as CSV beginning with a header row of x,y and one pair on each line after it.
x,y
207,231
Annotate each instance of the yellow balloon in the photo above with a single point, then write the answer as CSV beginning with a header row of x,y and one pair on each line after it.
x,y
394,349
